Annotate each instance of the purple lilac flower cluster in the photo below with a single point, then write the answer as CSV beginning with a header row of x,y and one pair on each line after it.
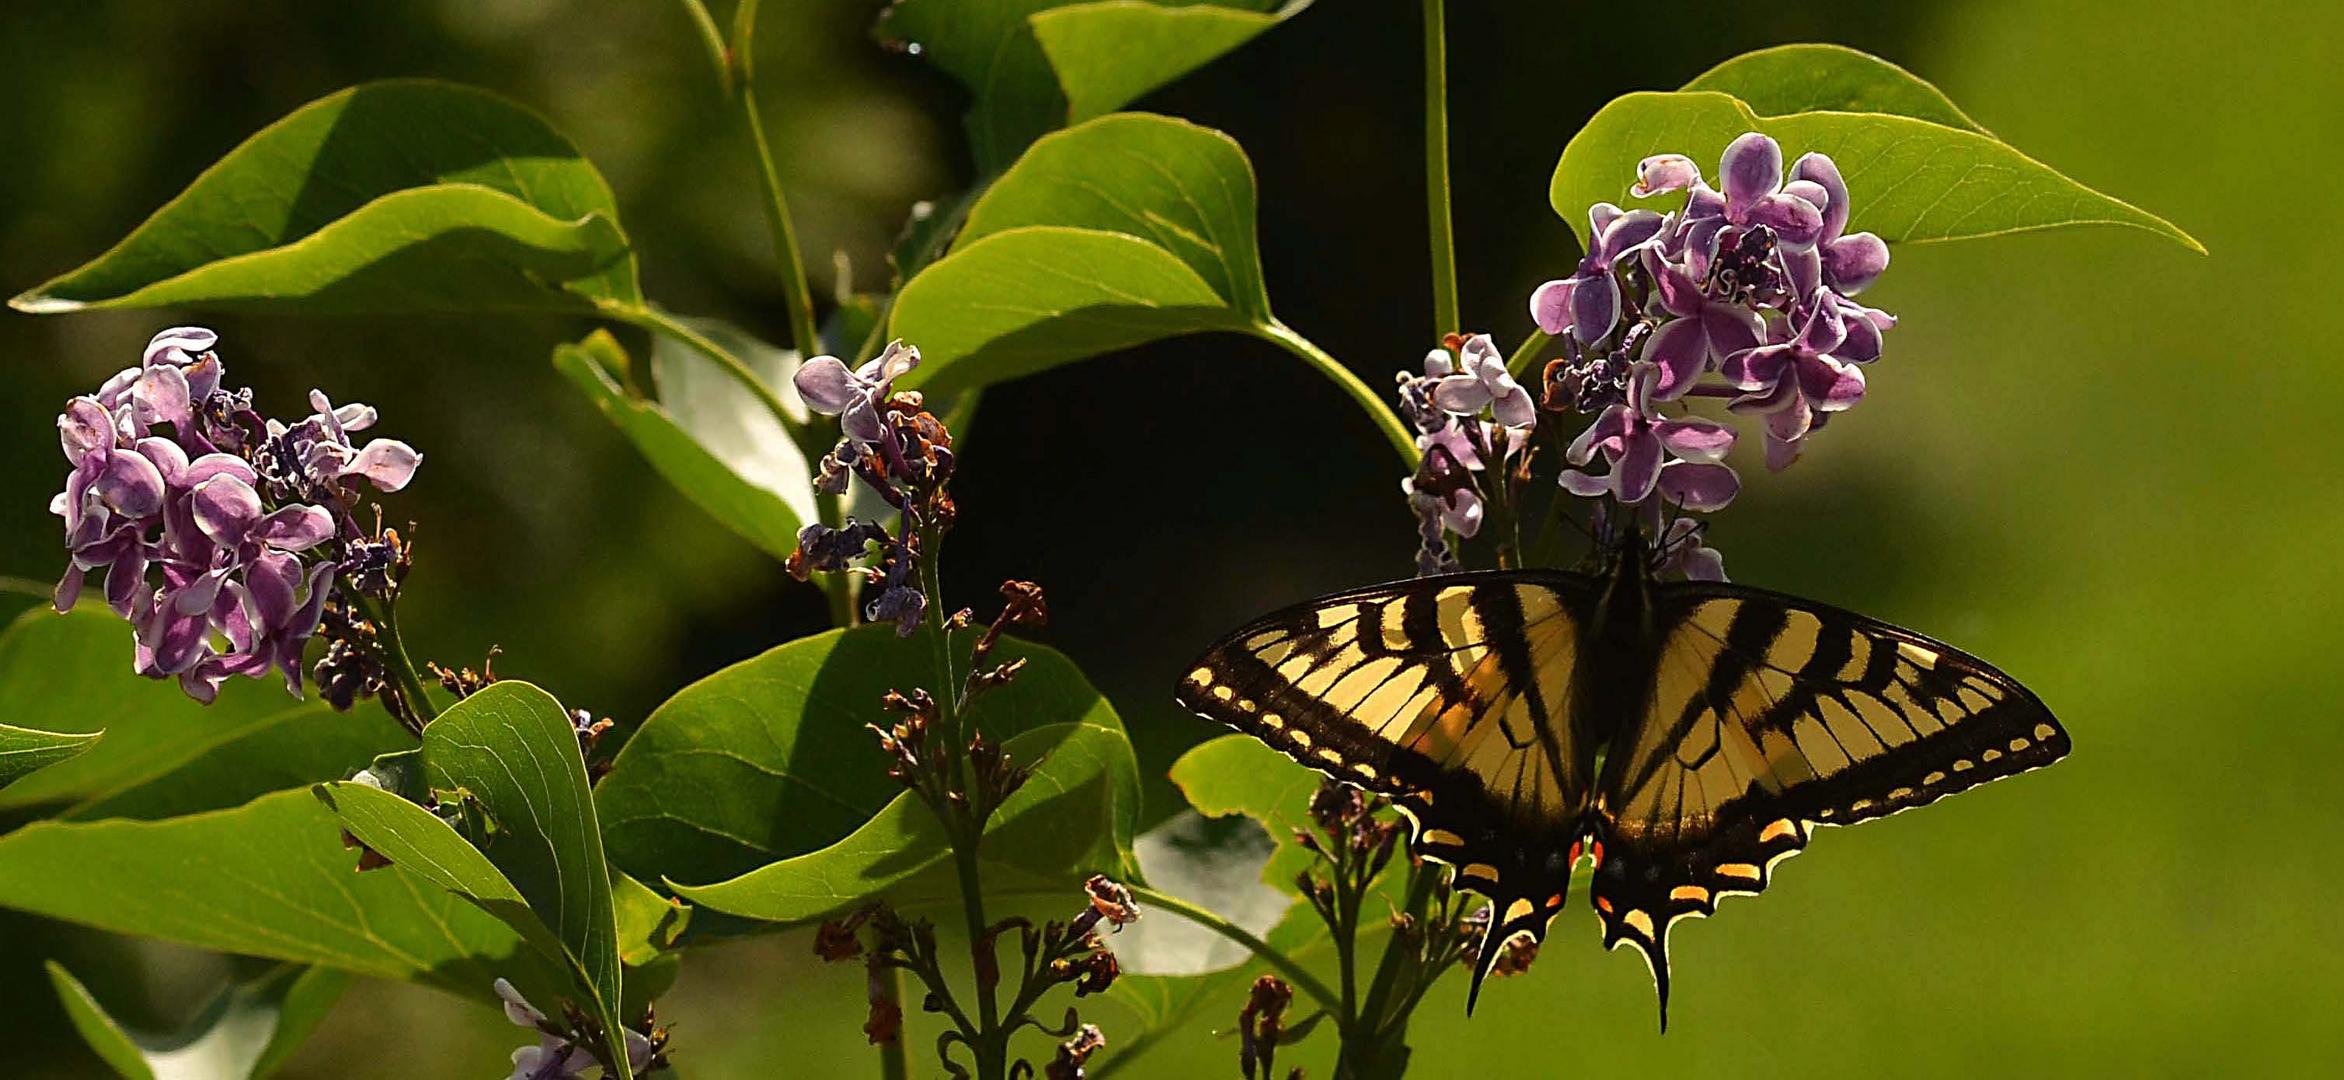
x,y
244,521
1469,415
1743,294
903,454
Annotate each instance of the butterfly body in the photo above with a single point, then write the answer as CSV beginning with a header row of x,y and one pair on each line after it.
x,y
1682,736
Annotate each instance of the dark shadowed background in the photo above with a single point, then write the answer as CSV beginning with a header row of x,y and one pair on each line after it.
x,y
2102,462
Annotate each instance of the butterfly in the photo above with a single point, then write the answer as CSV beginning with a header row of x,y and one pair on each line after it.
x,y
1684,736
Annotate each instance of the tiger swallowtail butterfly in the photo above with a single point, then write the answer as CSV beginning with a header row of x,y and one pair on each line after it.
x,y
1684,736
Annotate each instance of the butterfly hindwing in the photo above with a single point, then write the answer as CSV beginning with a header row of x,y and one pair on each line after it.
x,y
1767,715
1452,696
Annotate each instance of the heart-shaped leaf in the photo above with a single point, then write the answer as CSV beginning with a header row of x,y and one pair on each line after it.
x,y
245,1033
1790,79
1070,819
770,758
1909,180
1113,233
1185,188
407,195
1026,300
1109,53
708,436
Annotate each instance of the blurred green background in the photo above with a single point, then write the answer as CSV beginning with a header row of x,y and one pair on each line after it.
x,y
2090,456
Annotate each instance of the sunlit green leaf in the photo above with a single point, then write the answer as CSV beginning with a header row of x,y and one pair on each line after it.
x,y
1214,862
1184,188
514,748
1909,180
24,751
1062,823
1107,54
289,749
710,438
770,759
1024,300
270,879
245,1032
992,47
1239,774
1790,79
406,195
71,673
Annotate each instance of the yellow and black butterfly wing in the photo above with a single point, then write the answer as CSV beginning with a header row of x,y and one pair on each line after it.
x,y
1449,694
1769,715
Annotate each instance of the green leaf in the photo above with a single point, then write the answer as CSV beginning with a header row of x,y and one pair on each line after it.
x,y
1790,79
1909,180
1239,774
271,879
1108,54
290,749
1214,862
769,758
1114,233
648,923
248,1030
1061,825
710,438
513,747
1025,300
24,751
406,195
992,47
1184,188
71,674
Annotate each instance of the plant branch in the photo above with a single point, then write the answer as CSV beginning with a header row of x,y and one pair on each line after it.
x,y
1526,357
1436,170
393,654
1294,973
797,297
711,39
1396,432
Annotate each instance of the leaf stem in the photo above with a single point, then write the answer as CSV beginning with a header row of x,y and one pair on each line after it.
x,y
892,1063
1294,973
414,703
797,297
1436,170
1526,357
712,39
1403,441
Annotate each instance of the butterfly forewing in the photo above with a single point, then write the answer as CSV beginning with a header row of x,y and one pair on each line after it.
x,y
1452,695
1767,715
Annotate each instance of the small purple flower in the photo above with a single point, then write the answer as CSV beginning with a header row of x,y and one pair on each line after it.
x,y
1849,262
1678,457
1587,304
855,397
559,1055
1796,378
1683,551
313,458
1703,333
1483,384
1443,486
